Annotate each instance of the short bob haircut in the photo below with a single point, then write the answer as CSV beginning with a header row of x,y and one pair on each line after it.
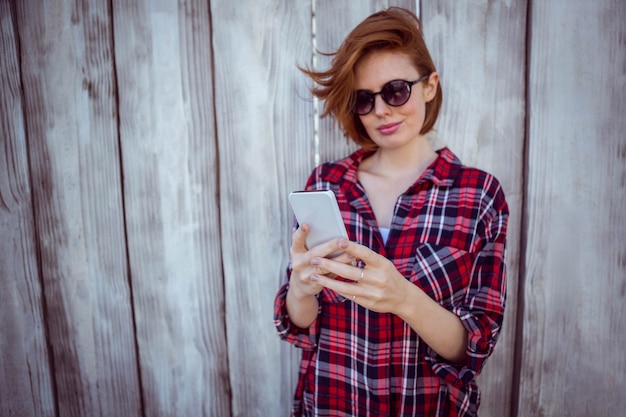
x,y
394,29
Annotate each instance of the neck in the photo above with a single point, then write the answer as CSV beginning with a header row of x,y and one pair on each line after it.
x,y
405,160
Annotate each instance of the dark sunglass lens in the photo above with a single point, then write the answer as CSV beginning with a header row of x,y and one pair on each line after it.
x,y
396,92
364,102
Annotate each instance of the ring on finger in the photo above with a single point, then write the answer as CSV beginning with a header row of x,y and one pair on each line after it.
x,y
361,277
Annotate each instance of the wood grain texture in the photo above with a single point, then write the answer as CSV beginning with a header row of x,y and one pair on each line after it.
x,y
265,132
26,387
147,149
334,21
479,51
164,67
573,360
72,141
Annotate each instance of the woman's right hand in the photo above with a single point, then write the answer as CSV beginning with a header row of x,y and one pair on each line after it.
x,y
301,257
301,269
302,305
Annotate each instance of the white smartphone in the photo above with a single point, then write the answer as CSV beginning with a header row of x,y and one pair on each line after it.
x,y
318,209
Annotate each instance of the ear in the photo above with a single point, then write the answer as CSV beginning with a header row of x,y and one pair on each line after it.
x,y
430,88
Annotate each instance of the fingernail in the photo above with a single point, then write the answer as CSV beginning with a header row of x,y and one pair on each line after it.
x,y
315,261
343,244
315,278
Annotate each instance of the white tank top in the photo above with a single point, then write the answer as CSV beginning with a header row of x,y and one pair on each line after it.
x,y
385,233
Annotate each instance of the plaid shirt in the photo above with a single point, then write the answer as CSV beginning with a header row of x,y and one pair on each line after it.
x,y
447,237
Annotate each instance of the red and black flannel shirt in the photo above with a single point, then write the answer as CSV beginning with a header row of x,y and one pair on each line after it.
x,y
447,237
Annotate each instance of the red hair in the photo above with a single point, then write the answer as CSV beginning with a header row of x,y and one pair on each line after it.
x,y
394,29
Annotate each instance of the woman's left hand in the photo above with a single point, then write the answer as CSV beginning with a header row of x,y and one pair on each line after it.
x,y
377,286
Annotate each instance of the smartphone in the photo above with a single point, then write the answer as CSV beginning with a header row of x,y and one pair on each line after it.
x,y
318,209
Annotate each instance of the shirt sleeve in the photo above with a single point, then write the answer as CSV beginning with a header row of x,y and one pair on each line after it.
x,y
287,331
482,311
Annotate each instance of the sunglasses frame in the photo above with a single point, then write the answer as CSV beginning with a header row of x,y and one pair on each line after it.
x,y
372,96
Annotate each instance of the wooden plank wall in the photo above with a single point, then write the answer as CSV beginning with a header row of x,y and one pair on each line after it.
x,y
169,157
69,132
264,130
572,349
25,374
147,150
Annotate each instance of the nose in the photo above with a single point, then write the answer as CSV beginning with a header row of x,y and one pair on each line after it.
x,y
380,107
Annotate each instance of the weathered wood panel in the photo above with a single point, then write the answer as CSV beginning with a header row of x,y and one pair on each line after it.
x,y
265,132
182,193
71,121
164,67
26,387
479,50
573,360
334,21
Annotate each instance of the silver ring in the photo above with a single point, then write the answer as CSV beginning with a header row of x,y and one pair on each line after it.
x,y
353,298
361,277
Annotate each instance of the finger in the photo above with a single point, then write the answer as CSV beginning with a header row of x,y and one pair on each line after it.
x,y
327,249
346,289
315,263
298,241
319,271
345,258
352,273
357,251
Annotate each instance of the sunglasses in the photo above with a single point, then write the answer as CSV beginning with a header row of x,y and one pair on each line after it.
x,y
395,93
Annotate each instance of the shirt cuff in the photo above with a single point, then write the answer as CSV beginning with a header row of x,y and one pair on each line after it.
x,y
287,331
481,339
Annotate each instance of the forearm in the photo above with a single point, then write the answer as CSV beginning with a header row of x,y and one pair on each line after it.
x,y
441,329
302,309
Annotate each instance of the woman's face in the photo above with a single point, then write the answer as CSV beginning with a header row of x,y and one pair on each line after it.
x,y
393,127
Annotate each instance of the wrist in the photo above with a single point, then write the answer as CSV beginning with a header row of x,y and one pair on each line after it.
x,y
297,294
302,308
411,303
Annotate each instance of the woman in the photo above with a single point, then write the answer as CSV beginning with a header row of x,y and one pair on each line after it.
x,y
403,321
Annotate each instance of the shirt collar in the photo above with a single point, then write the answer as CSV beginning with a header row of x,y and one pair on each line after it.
x,y
442,172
